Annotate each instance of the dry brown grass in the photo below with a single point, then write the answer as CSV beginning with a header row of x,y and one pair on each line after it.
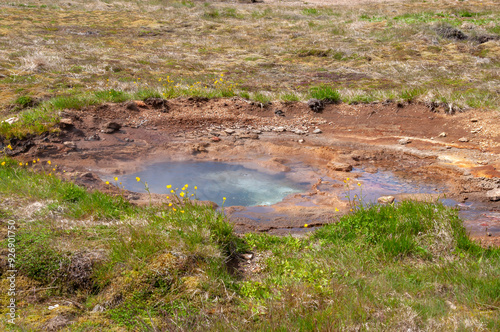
x,y
372,48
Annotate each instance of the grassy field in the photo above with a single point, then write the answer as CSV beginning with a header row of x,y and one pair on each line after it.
x,y
413,50
110,266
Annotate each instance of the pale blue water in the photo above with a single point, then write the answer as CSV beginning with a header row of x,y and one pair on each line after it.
x,y
215,180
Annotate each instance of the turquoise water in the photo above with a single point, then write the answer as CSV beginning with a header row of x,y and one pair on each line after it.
x,y
215,180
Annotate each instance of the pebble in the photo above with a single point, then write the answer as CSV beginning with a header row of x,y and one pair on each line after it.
x,y
317,131
339,167
70,145
229,131
493,195
443,134
386,199
463,139
404,141
247,256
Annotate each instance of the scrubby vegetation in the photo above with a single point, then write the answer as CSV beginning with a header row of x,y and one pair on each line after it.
x,y
73,55
110,265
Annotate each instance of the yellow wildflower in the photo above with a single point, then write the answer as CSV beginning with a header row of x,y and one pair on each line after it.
x,y
116,179
181,194
49,162
195,187
3,163
306,225
169,186
107,182
138,178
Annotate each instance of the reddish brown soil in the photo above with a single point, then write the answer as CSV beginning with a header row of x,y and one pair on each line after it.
x,y
465,158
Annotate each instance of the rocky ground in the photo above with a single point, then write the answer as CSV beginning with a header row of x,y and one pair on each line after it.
x,y
456,151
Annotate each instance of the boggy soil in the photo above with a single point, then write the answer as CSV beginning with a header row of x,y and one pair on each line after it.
x,y
458,153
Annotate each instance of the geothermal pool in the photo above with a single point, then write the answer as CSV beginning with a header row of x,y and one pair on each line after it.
x,y
214,180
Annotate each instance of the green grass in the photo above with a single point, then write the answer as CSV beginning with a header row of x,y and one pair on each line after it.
x,y
325,93
386,267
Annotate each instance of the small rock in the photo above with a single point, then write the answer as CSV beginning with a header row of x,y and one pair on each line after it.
x,y
65,122
215,139
98,308
132,106
247,256
443,134
299,132
451,305
253,136
316,105
94,137
339,167
301,141
386,199
11,120
128,139
279,129
463,139
279,113
317,131
229,131
258,132
158,103
493,195
404,141
474,120
111,127
71,145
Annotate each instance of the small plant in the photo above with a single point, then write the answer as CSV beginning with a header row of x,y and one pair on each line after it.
x,y
24,101
211,13
289,96
325,93
310,11
410,95
38,258
261,98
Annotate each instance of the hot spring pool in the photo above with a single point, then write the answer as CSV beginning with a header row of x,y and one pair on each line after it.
x,y
215,180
